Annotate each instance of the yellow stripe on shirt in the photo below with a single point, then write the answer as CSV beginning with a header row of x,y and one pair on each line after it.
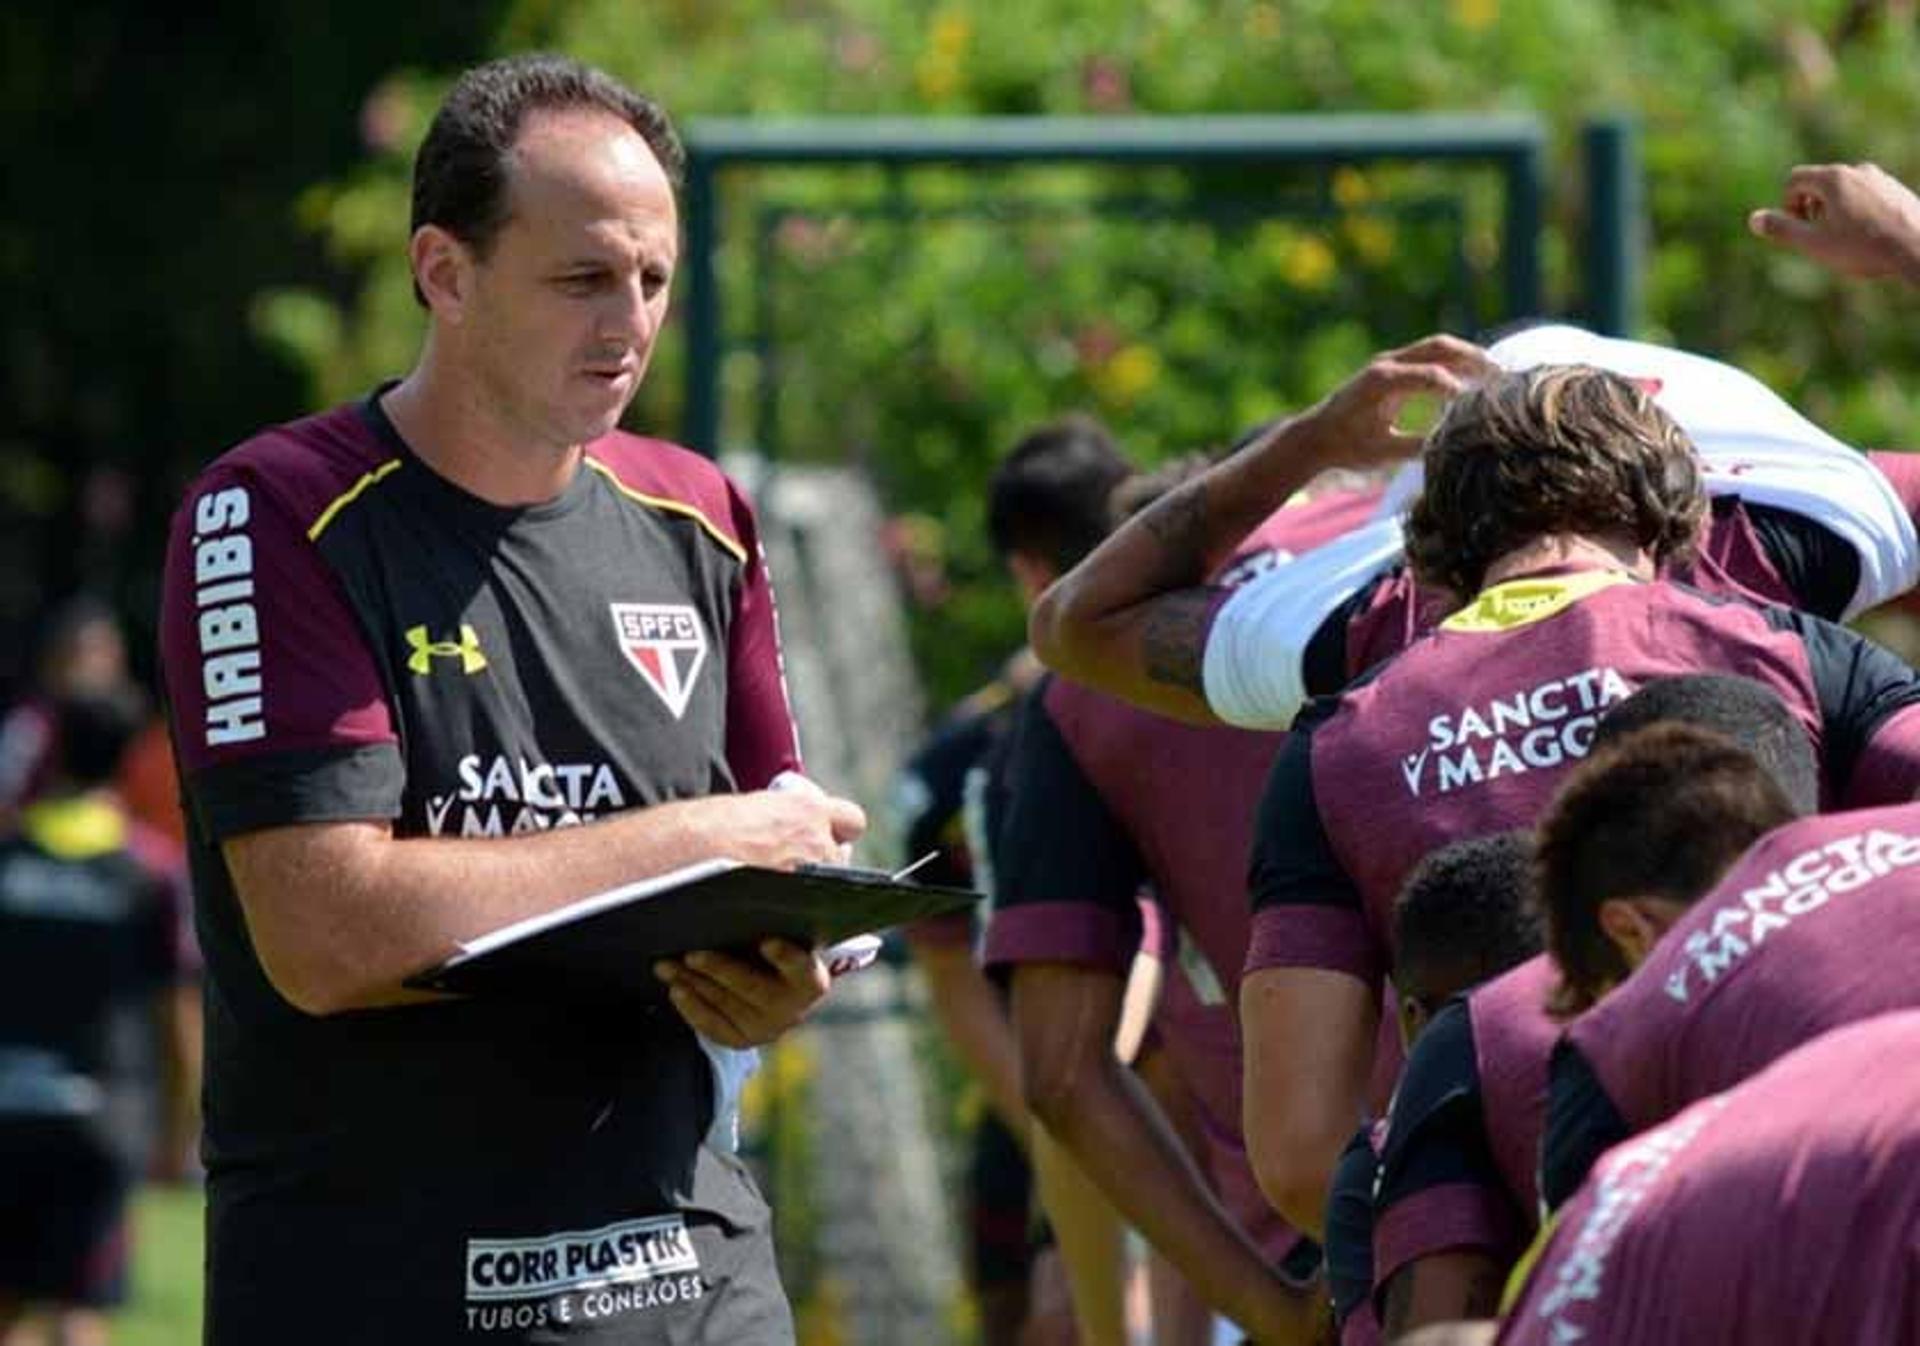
x,y
1524,601
348,496
738,552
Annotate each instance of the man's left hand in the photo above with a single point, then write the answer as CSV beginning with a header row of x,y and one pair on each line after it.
x,y
739,1004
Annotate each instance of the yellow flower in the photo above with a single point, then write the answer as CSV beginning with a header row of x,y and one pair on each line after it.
x,y
952,31
1351,188
1371,237
1127,374
1309,263
1475,14
937,72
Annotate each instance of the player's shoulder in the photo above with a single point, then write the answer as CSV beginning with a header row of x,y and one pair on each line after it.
x,y
1521,990
658,475
1683,598
304,466
1354,700
1860,842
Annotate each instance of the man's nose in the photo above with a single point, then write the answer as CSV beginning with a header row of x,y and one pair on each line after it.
x,y
627,316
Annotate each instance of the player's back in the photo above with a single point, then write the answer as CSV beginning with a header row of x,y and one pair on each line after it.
x,y
1472,728
1784,1211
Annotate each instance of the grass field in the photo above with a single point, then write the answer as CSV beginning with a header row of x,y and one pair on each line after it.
x,y
165,1308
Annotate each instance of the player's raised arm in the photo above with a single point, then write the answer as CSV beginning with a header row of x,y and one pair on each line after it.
x,y
1856,219
1132,619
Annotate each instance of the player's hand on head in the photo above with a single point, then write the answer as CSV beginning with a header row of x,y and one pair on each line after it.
x,y
1856,219
1358,423
737,1002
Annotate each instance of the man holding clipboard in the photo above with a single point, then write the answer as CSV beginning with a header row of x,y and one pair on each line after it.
x,y
409,644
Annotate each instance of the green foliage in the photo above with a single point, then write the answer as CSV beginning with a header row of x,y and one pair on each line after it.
x,y
154,154
918,322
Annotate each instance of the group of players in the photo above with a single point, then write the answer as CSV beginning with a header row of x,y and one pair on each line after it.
x,y
1578,833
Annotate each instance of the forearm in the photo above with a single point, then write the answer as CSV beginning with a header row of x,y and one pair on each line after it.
x,y
1112,1126
1131,619
341,914
975,1021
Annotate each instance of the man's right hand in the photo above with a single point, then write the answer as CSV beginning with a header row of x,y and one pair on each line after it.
x,y
1356,425
782,829
1856,219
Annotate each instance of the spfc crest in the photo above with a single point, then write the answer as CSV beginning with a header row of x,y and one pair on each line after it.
x,y
666,644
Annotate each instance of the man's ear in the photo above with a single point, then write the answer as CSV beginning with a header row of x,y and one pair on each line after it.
x,y
1635,924
1413,1019
1031,575
443,269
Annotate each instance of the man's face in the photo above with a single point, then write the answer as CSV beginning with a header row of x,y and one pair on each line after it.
x,y
564,308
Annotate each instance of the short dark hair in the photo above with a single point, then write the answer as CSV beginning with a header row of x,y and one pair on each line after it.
x,y
1465,914
91,732
1663,813
1745,711
1557,449
460,173
1050,495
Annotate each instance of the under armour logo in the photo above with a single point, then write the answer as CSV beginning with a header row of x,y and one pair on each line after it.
x,y
425,651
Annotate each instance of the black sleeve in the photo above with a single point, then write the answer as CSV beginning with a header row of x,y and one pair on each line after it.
x,y
1323,664
930,792
1860,685
309,785
1058,842
1582,1125
1821,569
1436,1128
1350,1226
1293,862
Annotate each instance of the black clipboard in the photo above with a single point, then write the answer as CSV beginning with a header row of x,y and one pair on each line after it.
x,y
603,948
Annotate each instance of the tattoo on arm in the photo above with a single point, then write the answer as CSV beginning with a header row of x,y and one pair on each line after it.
x,y
1173,637
1178,522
